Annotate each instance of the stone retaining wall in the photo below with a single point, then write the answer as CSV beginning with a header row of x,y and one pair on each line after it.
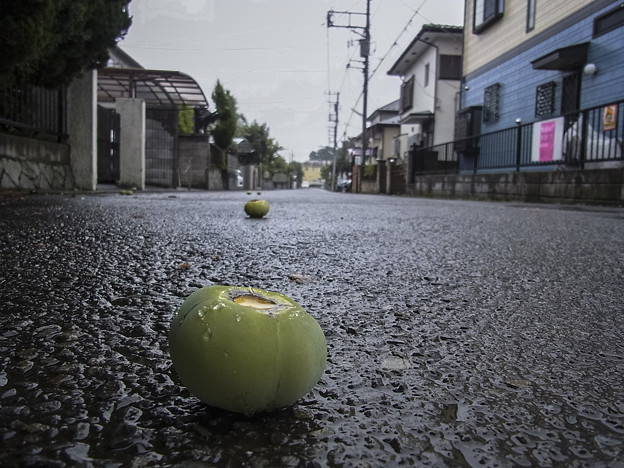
x,y
594,186
369,186
34,164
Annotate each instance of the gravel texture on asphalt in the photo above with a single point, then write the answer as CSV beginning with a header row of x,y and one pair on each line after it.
x,y
459,333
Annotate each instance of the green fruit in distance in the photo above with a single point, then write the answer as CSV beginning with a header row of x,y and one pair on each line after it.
x,y
257,208
246,350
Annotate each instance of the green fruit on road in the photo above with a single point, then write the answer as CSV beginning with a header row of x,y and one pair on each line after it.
x,y
257,208
245,349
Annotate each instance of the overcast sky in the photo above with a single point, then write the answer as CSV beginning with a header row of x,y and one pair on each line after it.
x,y
279,59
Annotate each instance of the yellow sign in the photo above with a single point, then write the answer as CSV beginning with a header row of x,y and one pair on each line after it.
x,y
609,117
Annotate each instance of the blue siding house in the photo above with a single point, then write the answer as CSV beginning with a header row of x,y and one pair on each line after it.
x,y
559,62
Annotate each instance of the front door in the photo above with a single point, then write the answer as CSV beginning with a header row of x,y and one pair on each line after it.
x,y
571,96
107,145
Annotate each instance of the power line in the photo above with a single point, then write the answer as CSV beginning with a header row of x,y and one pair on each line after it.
x,y
394,44
396,41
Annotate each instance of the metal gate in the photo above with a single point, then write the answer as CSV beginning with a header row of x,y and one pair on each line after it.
x,y
161,147
381,176
107,145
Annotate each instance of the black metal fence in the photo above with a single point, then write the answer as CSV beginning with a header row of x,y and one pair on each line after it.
x,y
161,146
575,140
34,111
171,159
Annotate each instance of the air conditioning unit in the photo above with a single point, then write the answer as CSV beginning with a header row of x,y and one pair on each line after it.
x,y
467,126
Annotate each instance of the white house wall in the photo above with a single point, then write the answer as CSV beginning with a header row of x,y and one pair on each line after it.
x,y
451,46
448,100
424,96
447,94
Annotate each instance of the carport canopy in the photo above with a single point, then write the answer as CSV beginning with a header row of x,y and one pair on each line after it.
x,y
155,87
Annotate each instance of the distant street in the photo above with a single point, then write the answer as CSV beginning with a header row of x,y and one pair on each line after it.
x,y
459,333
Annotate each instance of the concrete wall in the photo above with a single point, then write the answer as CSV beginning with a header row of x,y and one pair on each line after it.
x,y
215,180
31,164
193,153
132,142
82,129
599,186
393,182
34,164
370,186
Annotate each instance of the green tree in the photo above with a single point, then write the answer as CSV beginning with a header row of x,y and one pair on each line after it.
x,y
50,42
186,123
343,163
240,126
266,148
225,129
323,154
277,165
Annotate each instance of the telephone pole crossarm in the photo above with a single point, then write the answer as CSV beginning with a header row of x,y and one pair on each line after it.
x,y
349,14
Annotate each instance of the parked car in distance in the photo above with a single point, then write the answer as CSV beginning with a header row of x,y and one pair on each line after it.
x,y
305,184
343,185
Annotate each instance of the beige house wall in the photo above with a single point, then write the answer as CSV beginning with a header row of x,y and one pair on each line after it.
x,y
389,134
510,30
311,172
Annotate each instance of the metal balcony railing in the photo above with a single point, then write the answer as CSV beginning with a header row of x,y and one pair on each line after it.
x,y
573,141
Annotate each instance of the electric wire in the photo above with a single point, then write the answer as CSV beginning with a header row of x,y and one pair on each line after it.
x,y
416,12
394,44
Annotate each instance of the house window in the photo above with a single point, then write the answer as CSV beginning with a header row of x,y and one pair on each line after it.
x,y
426,75
450,67
407,94
467,124
486,12
609,21
530,24
545,99
491,103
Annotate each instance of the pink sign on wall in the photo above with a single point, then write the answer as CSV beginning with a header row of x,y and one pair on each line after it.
x,y
547,141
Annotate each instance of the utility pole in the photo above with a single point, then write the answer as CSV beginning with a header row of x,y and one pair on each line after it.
x,y
364,33
334,118
364,53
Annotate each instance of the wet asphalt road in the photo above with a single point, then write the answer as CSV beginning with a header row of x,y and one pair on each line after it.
x,y
459,333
